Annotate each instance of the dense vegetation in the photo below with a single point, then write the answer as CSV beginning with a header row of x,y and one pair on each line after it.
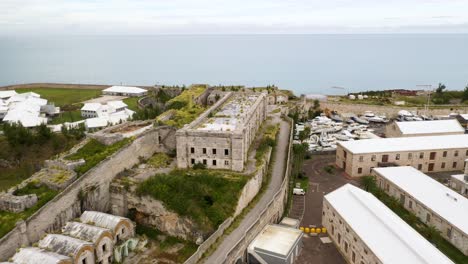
x,y
268,140
159,160
165,242
44,194
23,150
429,232
183,108
206,196
94,152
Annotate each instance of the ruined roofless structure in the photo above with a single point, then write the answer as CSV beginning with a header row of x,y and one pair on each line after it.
x,y
220,138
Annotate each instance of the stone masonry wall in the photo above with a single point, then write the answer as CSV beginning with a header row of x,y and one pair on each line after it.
x,y
390,111
89,192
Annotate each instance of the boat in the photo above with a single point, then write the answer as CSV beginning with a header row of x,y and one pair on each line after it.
x,y
336,118
360,120
377,119
369,114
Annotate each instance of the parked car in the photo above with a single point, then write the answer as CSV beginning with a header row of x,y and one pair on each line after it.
x,y
298,191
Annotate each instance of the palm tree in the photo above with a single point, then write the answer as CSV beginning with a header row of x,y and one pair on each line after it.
x,y
368,182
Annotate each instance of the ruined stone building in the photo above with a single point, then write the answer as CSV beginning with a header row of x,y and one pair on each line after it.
x,y
121,227
102,239
32,255
220,138
80,251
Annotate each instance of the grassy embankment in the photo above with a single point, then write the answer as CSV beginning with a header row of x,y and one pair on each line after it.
x,y
69,100
94,152
429,232
165,242
44,194
208,197
183,108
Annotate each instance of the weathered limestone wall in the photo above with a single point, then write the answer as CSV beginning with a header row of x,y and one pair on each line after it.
x,y
152,212
252,187
89,192
389,111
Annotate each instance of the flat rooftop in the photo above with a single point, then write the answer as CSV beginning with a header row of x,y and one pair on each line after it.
x,y
232,114
430,127
387,235
276,239
460,177
405,144
444,201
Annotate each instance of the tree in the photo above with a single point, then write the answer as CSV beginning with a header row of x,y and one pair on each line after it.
x,y
441,88
368,182
465,94
304,134
316,104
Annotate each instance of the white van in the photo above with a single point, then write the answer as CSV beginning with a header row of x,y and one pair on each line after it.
x,y
298,191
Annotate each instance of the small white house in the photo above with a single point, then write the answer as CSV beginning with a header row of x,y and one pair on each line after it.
x,y
125,91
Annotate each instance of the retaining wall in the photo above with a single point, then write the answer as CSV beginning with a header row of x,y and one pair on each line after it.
x,y
89,192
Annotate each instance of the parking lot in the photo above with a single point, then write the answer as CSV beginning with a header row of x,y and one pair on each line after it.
x,y
320,183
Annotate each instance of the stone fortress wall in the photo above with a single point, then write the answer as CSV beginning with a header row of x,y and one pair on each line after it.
x,y
89,192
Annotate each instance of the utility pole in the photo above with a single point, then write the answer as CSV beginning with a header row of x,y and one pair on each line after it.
x,y
426,87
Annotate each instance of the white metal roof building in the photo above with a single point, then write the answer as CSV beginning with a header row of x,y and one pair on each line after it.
x,y
428,154
7,94
363,228
33,255
276,244
424,128
423,195
125,91
405,144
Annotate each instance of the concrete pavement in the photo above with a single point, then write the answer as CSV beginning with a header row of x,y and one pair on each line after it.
x,y
280,154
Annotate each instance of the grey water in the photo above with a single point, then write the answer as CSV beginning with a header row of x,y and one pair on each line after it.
x,y
302,63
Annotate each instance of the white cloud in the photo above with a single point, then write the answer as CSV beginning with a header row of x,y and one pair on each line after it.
x,y
230,16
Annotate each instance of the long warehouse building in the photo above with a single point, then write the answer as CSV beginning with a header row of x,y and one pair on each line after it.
x,y
365,231
424,128
427,154
432,202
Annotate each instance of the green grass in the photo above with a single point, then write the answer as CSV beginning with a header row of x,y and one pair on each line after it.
x,y
428,232
62,96
208,197
169,241
94,152
268,140
69,116
132,103
8,220
24,160
159,160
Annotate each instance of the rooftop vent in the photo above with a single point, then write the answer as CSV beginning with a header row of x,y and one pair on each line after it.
x,y
451,197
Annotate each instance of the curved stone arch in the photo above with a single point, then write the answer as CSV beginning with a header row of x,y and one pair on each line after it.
x,y
83,249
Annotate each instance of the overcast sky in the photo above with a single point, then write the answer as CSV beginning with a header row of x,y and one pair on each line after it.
x,y
232,16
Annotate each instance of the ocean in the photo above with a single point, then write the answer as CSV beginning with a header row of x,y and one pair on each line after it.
x,y
302,63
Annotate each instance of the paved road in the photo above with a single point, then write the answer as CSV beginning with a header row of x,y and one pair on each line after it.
x,y
320,183
276,178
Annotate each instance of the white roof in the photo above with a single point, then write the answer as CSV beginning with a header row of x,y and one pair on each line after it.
x,y
442,200
430,127
96,122
32,255
464,116
387,236
84,232
62,244
460,177
405,144
7,94
91,107
276,239
125,89
117,104
102,219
